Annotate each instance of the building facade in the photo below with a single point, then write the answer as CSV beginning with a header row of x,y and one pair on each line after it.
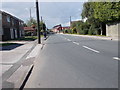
x,y
12,27
29,31
66,28
57,28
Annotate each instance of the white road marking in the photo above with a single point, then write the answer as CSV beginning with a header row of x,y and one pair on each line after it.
x,y
116,58
76,43
91,49
68,39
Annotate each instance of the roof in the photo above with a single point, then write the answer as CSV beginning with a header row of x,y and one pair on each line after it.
x,y
29,29
57,26
6,13
67,27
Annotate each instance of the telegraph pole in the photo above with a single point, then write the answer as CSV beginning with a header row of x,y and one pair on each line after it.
x,y
41,19
42,23
70,20
30,13
38,22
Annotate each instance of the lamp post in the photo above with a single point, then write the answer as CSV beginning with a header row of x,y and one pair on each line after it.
x,y
30,13
29,9
38,22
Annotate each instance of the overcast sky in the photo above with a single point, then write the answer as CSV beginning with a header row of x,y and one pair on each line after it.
x,y
53,13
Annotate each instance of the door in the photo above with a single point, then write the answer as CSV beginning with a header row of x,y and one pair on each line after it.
x,y
12,33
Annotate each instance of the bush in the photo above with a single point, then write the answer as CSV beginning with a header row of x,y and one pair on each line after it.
x,y
74,31
66,31
27,33
85,32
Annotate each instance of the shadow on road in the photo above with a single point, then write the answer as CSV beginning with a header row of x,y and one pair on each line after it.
x,y
10,47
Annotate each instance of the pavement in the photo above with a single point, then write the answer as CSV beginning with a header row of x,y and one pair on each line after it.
x,y
16,62
68,61
96,37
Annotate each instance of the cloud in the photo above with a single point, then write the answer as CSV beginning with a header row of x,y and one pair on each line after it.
x,y
60,12
52,12
66,24
18,9
45,0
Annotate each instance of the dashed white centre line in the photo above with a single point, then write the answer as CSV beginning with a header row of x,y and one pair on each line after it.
x,y
76,43
68,39
116,58
91,49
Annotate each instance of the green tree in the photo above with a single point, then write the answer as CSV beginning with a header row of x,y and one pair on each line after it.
x,y
31,22
42,26
88,12
107,12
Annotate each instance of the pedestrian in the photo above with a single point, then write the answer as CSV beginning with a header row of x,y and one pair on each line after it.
x,y
44,35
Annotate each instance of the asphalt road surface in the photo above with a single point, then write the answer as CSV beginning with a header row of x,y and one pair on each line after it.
x,y
75,62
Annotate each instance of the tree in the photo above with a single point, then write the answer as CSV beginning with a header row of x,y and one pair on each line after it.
x,y
107,12
25,25
88,12
42,26
31,22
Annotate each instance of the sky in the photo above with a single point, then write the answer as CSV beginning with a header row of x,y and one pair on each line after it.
x,y
53,13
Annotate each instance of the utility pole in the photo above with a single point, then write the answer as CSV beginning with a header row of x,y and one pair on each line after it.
x,y
30,13
38,22
42,23
41,19
70,20
30,18
70,23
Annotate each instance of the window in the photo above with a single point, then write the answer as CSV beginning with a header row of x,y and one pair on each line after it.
x,y
19,23
8,18
13,22
22,23
1,31
12,33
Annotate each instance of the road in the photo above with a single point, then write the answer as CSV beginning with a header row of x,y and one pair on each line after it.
x,y
75,62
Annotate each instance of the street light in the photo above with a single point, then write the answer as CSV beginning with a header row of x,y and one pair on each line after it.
x,y
30,11
38,22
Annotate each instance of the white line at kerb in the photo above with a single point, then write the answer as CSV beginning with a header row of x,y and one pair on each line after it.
x,y
116,58
91,49
76,43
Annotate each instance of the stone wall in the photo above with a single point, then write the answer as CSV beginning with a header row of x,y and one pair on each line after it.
x,y
112,30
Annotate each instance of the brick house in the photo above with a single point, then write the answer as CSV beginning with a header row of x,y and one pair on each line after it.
x,y
29,31
57,28
12,27
66,28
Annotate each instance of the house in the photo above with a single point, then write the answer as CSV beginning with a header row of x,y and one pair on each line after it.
x,y
66,28
30,31
11,28
57,28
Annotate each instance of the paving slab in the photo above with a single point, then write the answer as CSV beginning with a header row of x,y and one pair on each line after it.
x,y
16,79
12,56
35,51
5,68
